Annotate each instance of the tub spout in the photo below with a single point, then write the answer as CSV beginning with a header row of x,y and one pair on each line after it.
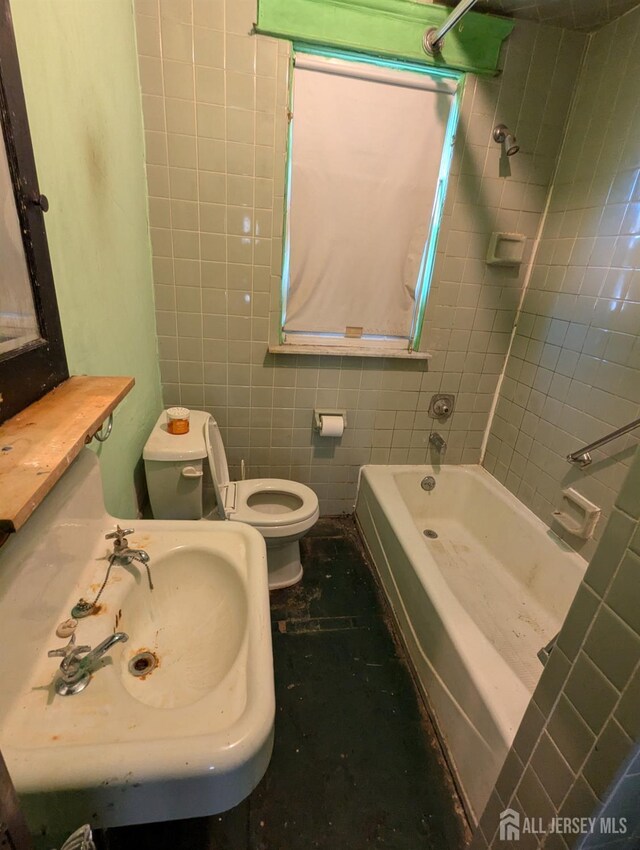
x,y
437,441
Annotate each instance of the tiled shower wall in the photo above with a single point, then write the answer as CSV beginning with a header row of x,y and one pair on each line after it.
x,y
214,102
574,371
572,755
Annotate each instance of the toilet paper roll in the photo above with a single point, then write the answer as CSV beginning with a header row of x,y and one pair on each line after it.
x,y
332,426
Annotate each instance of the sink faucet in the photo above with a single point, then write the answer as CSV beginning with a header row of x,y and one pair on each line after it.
x,y
75,672
437,441
122,554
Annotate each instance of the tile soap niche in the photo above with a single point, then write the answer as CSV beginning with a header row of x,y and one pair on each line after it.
x,y
577,515
506,249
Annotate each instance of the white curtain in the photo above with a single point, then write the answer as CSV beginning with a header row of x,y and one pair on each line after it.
x,y
365,161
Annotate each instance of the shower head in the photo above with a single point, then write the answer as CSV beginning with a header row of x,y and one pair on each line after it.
x,y
510,145
503,136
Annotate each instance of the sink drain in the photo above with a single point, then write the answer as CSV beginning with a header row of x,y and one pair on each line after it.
x,y
430,533
143,663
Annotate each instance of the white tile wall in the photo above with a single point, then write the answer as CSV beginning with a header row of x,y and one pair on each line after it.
x,y
214,102
575,753
621,804
574,371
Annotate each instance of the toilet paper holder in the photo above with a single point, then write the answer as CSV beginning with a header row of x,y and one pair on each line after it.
x,y
318,414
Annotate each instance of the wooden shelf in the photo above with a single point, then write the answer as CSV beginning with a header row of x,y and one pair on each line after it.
x,y
39,443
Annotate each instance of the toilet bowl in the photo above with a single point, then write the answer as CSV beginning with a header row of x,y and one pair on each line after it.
x,y
281,510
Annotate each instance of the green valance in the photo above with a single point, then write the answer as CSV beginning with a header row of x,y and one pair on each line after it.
x,y
392,28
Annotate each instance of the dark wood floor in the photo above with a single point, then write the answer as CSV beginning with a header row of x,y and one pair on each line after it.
x,y
356,763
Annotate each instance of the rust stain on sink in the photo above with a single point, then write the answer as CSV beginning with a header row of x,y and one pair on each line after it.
x,y
140,542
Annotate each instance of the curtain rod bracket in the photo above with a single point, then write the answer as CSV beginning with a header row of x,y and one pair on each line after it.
x,y
431,44
433,40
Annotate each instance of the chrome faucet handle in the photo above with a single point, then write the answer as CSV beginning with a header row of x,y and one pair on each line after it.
x,y
119,534
68,653
119,537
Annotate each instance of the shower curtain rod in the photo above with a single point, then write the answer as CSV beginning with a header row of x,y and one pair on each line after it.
x,y
434,37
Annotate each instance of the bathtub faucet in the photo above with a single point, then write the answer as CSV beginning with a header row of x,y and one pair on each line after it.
x,y
437,441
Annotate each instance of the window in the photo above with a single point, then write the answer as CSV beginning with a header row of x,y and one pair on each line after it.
x,y
369,153
32,357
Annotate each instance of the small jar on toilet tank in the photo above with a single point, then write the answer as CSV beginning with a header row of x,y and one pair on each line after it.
x,y
178,420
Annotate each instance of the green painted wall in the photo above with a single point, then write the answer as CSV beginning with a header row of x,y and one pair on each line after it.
x,y
80,76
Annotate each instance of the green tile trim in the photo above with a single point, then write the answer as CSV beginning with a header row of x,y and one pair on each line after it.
x,y
629,498
611,548
393,28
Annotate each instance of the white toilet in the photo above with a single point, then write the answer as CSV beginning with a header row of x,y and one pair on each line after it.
x,y
282,511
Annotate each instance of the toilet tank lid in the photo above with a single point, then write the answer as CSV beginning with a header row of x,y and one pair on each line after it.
x,y
162,445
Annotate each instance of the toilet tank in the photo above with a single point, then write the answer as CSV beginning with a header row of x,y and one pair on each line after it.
x,y
173,464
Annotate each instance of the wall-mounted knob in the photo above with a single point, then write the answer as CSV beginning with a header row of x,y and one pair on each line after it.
x,y
41,201
441,405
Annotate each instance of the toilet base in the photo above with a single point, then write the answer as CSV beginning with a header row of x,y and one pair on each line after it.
x,y
283,561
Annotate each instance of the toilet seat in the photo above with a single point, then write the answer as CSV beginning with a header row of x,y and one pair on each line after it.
x,y
270,517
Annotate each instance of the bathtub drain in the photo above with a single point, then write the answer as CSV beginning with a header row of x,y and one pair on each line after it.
x,y
430,533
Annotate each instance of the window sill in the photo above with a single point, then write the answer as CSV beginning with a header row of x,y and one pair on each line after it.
x,y
39,443
349,351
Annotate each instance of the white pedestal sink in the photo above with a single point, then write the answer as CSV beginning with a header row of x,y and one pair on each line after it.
x,y
191,737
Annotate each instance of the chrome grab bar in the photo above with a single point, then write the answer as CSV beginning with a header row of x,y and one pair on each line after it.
x,y
583,457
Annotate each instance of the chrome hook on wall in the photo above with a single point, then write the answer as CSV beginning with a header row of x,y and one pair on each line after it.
x,y
99,436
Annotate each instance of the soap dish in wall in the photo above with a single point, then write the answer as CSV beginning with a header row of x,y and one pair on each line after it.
x,y
578,515
506,249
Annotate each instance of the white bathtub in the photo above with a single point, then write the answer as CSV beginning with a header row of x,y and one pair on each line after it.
x,y
473,605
